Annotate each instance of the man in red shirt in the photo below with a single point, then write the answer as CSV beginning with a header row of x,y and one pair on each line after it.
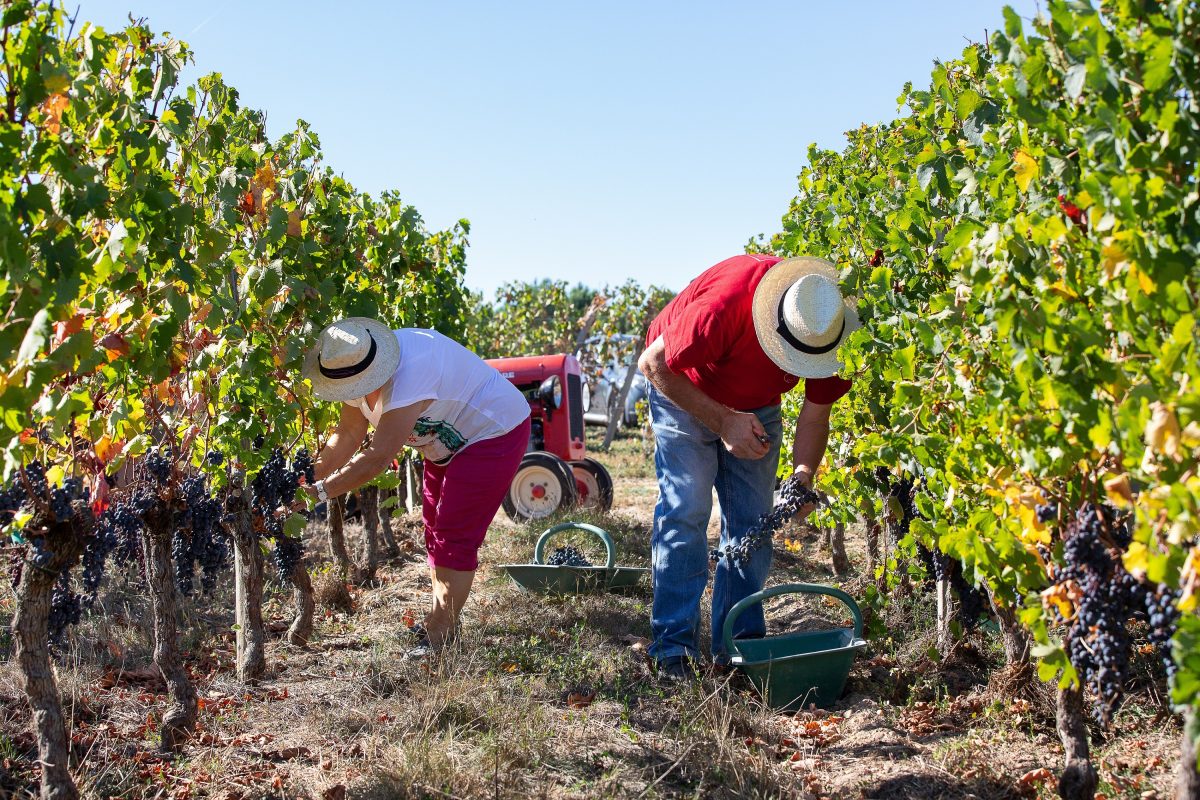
x,y
718,359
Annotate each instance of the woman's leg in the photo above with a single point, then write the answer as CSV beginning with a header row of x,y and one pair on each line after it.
x,y
474,484
451,587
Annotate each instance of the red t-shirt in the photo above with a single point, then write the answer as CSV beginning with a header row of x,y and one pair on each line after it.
x,y
708,330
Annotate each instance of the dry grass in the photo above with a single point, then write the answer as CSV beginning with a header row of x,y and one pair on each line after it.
x,y
504,712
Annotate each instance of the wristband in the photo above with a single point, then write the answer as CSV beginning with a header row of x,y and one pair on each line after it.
x,y
322,495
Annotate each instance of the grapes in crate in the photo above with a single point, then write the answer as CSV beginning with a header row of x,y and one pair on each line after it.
x,y
568,557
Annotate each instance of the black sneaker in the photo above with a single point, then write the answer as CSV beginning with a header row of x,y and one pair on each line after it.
x,y
676,669
421,651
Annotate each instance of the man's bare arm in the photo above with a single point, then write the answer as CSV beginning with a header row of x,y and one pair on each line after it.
x,y
742,433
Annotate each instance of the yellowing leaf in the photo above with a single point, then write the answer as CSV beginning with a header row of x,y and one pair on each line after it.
x,y
1137,559
55,475
1063,597
265,176
1145,282
1162,434
1190,436
1119,491
106,449
1026,169
52,109
1112,258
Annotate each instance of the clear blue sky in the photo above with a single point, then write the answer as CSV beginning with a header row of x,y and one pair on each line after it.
x,y
589,142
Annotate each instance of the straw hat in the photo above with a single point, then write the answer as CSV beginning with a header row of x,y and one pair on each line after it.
x,y
352,358
801,318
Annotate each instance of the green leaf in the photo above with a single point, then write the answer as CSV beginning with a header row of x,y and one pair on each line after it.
x,y
35,338
966,104
16,13
904,358
1156,69
294,525
1074,80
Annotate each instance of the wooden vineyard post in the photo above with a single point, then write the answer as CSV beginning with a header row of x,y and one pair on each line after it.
x,y
1187,784
179,722
368,503
302,595
1078,780
837,546
248,589
337,538
945,610
412,500
37,672
392,549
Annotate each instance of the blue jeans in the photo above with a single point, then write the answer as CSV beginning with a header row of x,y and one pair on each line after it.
x,y
690,460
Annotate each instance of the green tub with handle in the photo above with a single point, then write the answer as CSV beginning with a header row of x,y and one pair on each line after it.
x,y
561,579
795,670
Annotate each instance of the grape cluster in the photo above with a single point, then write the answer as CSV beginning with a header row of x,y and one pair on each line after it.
x,y
1046,513
159,467
274,485
12,497
199,537
274,488
794,496
1098,639
568,557
287,555
66,608
1163,613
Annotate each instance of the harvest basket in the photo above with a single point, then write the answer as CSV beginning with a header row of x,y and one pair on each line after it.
x,y
560,579
802,668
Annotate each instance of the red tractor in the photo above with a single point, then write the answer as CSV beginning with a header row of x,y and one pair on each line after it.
x,y
556,472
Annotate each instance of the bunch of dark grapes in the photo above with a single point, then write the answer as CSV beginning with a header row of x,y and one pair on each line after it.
x,y
794,496
304,466
199,537
1098,638
568,557
1163,613
159,467
66,608
37,486
274,485
274,488
287,554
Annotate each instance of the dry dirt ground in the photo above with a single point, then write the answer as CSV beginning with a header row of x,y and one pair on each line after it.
x,y
546,697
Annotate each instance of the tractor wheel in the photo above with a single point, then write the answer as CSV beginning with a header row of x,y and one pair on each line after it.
x,y
543,485
594,485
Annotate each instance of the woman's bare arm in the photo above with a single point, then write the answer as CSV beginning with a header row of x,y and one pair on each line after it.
x,y
389,438
343,443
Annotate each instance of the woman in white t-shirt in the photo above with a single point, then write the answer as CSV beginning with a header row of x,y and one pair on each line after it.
x,y
420,389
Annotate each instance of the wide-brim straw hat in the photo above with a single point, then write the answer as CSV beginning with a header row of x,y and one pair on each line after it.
x,y
352,358
801,318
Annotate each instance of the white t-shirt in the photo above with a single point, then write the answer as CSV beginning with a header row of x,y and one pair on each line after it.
x,y
471,401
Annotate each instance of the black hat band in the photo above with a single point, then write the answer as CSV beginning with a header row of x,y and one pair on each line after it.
x,y
337,373
784,331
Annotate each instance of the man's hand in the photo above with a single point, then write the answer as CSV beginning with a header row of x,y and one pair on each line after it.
x,y
744,436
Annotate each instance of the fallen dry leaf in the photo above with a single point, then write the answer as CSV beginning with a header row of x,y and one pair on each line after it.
x,y
581,698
